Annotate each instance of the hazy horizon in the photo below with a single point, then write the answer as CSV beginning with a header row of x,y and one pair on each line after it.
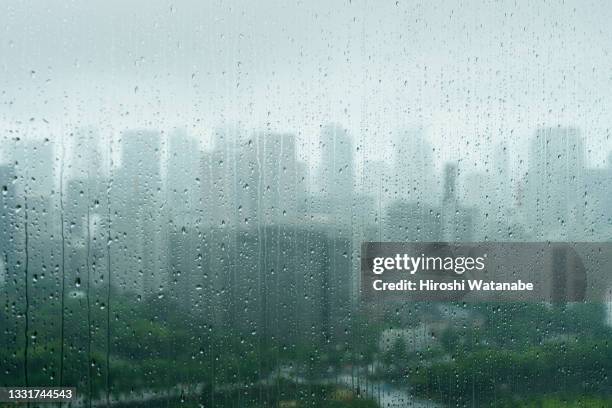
x,y
472,76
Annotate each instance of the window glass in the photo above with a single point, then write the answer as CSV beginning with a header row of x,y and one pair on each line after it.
x,y
186,186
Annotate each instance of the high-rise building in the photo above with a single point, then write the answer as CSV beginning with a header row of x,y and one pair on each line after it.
x,y
8,207
37,195
371,203
34,163
137,208
222,183
554,182
378,181
414,177
286,283
457,221
450,183
85,210
597,204
502,191
182,178
84,154
499,208
336,175
412,222
276,177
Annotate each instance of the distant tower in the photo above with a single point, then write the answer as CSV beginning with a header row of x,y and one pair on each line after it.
x,y
449,202
86,158
138,201
336,171
554,182
414,169
36,170
182,190
450,183
457,221
85,182
221,179
497,195
34,162
501,176
336,174
277,178
7,222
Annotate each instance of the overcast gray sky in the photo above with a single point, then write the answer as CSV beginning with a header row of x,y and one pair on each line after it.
x,y
470,74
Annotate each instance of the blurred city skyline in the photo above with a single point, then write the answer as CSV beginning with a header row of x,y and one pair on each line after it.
x,y
185,188
469,75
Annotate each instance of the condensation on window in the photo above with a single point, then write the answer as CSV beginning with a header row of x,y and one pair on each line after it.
x,y
185,188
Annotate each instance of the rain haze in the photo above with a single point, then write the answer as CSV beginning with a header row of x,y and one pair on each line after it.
x,y
469,74
189,192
